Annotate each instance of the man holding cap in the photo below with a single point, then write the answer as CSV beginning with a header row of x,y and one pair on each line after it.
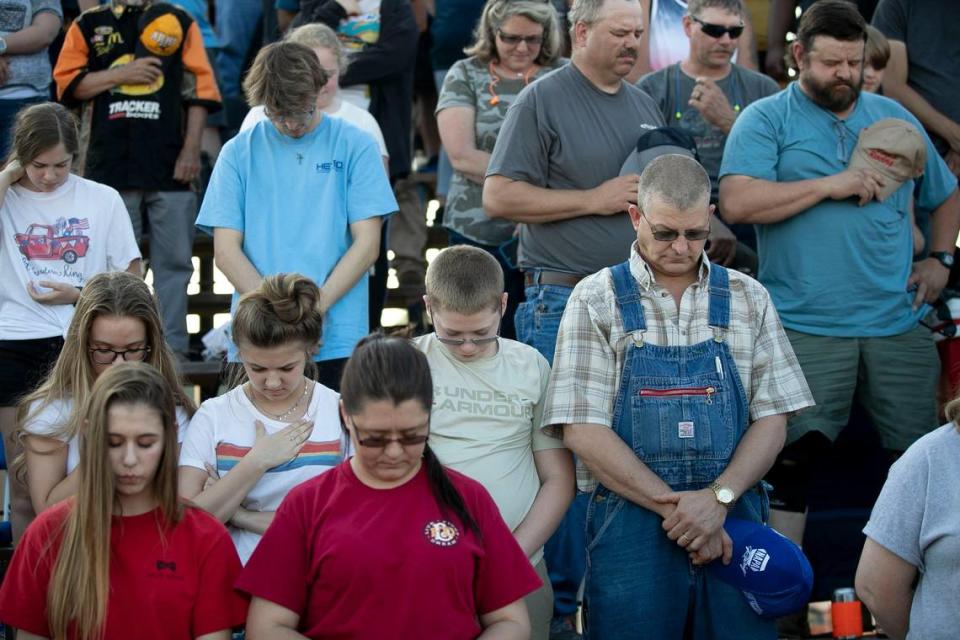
x,y
672,383
834,238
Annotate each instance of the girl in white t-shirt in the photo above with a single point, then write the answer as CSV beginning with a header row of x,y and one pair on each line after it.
x,y
323,41
116,320
56,231
249,447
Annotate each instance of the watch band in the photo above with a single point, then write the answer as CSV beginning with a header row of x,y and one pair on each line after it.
x,y
943,257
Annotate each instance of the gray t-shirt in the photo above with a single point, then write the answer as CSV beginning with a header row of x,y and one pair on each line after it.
x,y
670,88
917,517
565,133
29,72
931,31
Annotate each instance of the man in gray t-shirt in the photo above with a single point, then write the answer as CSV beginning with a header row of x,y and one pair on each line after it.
x,y
556,162
704,94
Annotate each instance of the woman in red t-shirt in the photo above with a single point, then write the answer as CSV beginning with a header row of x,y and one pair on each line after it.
x,y
124,559
388,544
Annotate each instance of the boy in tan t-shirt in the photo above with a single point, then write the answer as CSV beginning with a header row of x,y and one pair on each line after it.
x,y
485,420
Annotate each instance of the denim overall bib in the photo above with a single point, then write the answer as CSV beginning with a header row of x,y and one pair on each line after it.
x,y
683,411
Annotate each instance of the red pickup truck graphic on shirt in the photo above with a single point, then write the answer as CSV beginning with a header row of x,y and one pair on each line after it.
x,y
55,242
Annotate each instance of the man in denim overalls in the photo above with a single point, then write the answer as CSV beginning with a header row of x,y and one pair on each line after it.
x,y
672,382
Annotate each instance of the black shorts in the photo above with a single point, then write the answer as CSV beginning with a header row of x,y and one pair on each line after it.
x,y
24,364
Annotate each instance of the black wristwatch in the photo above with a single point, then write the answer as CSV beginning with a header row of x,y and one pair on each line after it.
x,y
943,257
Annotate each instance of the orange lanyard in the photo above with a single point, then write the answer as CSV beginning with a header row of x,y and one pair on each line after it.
x,y
495,78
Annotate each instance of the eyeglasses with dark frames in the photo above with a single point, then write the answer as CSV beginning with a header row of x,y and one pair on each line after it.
x,y
109,356
512,40
381,442
717,30
669,235
459,342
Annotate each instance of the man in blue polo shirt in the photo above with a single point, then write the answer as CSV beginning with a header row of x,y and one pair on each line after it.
x,y
300,192
835,250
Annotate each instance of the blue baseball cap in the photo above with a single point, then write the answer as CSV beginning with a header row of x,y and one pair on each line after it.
x,y
770,569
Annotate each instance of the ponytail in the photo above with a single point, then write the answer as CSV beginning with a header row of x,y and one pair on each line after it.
x,y
448,498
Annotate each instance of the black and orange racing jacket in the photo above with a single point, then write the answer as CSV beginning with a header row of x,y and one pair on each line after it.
x,y
134,133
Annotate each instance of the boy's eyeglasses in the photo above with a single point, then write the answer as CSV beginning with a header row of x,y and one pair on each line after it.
x,y
109,356
459,342
302,119
717,30
509,38
669,235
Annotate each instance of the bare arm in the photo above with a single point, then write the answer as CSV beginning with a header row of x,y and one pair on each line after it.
x,y
255,521
354,263
136,267
187,166
751,200
36,37
229,257
139,71
284,18
616,466
223,634
895,86
557,487
47,478
929,275
26,635
457,132
523,202
884,583
506,623
222,498
269,621
9,176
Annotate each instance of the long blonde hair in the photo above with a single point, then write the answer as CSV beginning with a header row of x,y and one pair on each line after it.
x,y
80,585
116,293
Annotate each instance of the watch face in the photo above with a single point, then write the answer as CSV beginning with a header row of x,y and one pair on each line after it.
x,y
725,495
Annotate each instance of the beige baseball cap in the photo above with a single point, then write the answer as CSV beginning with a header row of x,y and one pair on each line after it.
x,y
894,148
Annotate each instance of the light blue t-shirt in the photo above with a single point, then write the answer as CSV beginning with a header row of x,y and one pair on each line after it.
x,y
836,269
293,200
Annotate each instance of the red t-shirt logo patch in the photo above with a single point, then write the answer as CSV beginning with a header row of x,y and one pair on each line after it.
x,y
441,533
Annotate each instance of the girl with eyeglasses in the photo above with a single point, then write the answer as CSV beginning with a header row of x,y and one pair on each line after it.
x,y
389,544
116,320
124,558
249,447
57,230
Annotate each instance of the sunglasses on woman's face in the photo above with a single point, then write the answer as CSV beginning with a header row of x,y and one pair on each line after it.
x,y
511,39
717,30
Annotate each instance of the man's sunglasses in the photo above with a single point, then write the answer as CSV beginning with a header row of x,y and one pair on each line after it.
x,y
717,30
670,235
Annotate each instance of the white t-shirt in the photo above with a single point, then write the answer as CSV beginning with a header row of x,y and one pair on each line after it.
x,y
347,111
485,420
222,431
68,235
53,417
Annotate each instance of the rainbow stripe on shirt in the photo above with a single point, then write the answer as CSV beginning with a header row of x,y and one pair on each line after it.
x,y
311,454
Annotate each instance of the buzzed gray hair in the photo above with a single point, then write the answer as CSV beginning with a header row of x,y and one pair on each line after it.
x,y
677,180
694,7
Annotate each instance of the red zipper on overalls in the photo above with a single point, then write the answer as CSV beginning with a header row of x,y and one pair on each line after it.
x,y
683,391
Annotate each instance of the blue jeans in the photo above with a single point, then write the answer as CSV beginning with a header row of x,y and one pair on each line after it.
x,y
537,322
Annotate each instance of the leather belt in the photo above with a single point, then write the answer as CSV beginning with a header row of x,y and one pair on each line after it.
x,y
551,277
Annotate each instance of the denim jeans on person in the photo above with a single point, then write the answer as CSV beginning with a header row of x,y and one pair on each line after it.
x,y
683,411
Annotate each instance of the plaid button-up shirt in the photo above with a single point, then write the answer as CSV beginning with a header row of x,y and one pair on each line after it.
x,y
592,347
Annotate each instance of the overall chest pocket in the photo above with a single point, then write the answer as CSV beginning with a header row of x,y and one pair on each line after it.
x,y
682,420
